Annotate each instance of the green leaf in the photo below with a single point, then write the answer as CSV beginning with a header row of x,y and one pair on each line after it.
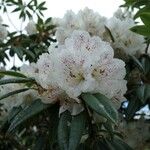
x,y
16,9
29,53
35,2
29,111
78,125
142,10
41,5
53,115
94,103
6,122
12,73
141,29
132,108
109,127
48,20
63,130
145,17
147,92
19,52
118,144
143,93
109,106
145,61
29,14
16,80
137,63
13,93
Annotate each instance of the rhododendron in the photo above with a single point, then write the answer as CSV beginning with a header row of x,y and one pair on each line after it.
x,y
85,19
31,28
125,41
84,75
82,64
3,31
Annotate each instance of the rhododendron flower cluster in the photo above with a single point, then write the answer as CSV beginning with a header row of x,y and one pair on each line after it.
x,y
31,27
86,59
82,64
3,31
125,42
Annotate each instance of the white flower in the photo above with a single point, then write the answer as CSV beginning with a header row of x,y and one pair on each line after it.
x,y
91,22
3,32
50,95
70,105
126,42
66,25
29,70
44,74
45,68
86,19
86,64
31,27
122,14
1,20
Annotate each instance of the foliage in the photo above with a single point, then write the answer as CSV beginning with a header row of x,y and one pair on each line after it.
x,y
25,45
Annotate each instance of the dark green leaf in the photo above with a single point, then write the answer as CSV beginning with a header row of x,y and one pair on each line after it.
x,y
109,127
108,105
16,9
28,14
29,53
63,130
145,17
132,108
137,63
142,10
12,73
48,20
118,144
94,103
41,5
145,61
13,93
19,52
141,29
16,80
78,125
29,111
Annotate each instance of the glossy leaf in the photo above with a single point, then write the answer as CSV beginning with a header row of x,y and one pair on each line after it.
x,y
137,63
16,80
145,17
63,130
141,29
98,107
77,127
12,73
108,105
13,93
29,111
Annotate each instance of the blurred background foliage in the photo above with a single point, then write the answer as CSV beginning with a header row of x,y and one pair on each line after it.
x,y
26,46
